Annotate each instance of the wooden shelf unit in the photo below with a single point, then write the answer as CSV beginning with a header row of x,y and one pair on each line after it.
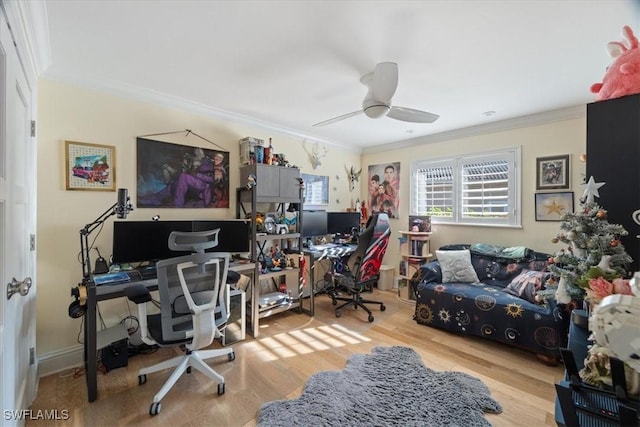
x,y
415,249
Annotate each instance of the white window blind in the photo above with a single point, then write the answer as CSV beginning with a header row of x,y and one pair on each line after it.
x,y
433,191
477,189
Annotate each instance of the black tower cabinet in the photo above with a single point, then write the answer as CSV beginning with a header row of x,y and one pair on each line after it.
x,y
613,157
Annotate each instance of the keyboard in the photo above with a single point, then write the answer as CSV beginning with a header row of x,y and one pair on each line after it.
x,y
120,277
112,278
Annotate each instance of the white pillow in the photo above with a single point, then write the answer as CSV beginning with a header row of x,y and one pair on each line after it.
x,y
456,267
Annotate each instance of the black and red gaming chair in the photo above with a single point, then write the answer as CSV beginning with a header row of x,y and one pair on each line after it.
x,y
363,266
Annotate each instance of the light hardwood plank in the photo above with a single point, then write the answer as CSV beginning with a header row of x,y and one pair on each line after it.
x,y
292,347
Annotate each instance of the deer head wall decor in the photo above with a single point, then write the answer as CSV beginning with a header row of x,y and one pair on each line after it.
x,y
353,177
315,155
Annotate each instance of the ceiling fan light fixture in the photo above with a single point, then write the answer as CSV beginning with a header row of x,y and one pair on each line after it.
x,y
376,111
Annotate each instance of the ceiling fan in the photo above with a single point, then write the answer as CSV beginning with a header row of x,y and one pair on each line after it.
x,y
382,84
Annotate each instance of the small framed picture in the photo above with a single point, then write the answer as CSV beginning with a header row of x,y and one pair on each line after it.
x,y
89,166
419,223
552,173
553,206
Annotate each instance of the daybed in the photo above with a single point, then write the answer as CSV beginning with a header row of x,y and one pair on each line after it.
x,y
500,305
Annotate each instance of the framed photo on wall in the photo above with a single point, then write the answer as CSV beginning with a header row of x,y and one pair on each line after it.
x,y
316,191
552,206
180,176
552,173
89,166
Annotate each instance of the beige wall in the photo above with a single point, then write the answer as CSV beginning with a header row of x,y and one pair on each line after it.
x,y
562,137
70,113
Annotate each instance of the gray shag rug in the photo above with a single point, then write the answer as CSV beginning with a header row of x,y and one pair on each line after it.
x,y
390,386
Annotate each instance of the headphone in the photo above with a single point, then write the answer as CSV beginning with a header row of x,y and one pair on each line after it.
x,y
78,307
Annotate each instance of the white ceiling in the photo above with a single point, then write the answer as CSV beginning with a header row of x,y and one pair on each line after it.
x,y
289,64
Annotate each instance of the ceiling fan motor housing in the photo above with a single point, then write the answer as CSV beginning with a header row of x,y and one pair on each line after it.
x,y
375,110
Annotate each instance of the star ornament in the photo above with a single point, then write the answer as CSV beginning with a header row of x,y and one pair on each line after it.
x,y
591,190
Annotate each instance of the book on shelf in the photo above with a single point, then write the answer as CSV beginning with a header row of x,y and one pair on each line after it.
x,y
419,247
402,268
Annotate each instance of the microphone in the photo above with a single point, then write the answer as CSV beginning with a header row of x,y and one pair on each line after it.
x,y
122,207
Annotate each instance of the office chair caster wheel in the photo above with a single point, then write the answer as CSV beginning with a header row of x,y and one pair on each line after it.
x,y
334,302
142,379
370,318
383,307
338,313
155,407
221,389
232,356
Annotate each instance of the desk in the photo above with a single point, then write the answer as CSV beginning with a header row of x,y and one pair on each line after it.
x,y
96,294
329,251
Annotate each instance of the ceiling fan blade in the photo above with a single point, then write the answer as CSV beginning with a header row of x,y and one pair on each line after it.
x,y
411,115
385,82
339,118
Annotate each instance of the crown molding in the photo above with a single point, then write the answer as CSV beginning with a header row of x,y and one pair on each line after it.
x,y
137,93
562,114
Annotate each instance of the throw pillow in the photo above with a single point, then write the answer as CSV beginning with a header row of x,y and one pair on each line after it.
x,y
456,267
526,284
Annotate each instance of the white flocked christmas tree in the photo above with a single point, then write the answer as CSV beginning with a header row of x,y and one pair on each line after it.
x,y
591,241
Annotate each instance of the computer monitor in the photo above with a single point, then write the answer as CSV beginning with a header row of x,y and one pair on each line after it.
x,y
342,222
314,223
144,241
147,241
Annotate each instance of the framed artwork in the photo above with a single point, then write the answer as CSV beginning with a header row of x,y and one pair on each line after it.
x,y
89,166
553,206
552,173
384,188
316,191
180,176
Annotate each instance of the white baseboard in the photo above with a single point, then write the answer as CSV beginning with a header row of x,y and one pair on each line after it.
x,y
59,360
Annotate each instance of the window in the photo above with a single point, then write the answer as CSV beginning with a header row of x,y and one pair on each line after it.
x,y
481,189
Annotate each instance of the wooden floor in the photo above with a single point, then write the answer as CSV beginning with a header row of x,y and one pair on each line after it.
x,y
290,348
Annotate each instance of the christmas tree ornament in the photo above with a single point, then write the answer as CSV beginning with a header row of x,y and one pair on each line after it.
x,y
601,214
562,295
605,264
577,251
614,243
555,240
571,235
591,190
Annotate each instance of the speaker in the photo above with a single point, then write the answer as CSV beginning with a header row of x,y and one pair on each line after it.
x,y
101,266
115,355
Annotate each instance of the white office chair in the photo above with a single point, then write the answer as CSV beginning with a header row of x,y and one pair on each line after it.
x,y
192,309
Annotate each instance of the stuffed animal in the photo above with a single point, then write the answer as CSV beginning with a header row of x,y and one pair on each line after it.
x,y
623,76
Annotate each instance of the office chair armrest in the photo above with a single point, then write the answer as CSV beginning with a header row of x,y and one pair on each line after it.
x,y
138,294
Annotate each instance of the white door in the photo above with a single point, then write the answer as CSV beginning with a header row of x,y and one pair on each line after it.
x,y
18,368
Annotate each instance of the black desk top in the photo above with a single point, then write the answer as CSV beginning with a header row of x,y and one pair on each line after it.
x,y
106,291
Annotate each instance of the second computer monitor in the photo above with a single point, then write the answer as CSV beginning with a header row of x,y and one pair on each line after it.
x,y
342,222
314,223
